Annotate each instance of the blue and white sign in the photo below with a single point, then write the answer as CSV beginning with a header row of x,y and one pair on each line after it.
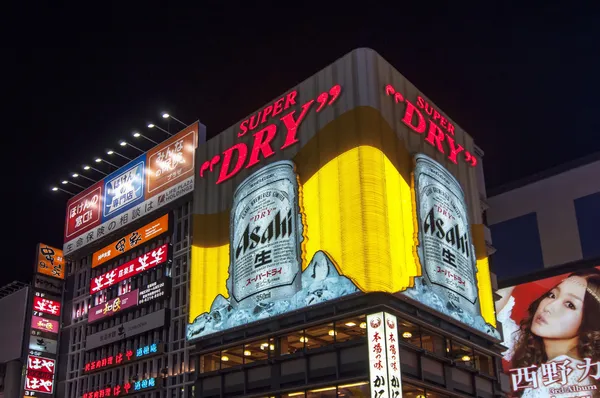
x,y
124,188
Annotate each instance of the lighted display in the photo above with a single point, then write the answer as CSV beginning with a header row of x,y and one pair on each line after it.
x,y
39,382
44,325
122,358
111,307
50,261
46,306
537,318
144,185
136,266
317,196
124,389
41,345
384,357
154,291
40,364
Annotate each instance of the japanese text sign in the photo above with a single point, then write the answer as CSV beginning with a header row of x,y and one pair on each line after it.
x,y
154,290
113,306
131,240
124,389
50,261
129,269
123,357
172,161
40,364
39,382
45,305
84,211
393,355
384,356
45,325
124,188
42,345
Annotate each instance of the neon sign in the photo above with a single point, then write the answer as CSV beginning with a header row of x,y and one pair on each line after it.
x,y
122,358
129,269
261,145
436,135
45,306
124,389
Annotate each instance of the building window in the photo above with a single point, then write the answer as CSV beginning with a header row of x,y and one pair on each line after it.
x,y
409,332
484,363
233,357
433,342
259,350
349,329
210,362
319,336
462,354
291,343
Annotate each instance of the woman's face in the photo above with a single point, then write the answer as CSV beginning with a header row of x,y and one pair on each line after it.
x,y
559,314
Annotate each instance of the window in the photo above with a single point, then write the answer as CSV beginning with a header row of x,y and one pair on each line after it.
x,y
259,350
462,354
349,329
409,332
484,363
291,343
233,357
210,362
433,342
319,336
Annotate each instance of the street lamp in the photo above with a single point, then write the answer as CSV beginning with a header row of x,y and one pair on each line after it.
x,y
87,167
152,125
65,182
63,190
75,175
110,152
125,143
98,160
138,135
166,116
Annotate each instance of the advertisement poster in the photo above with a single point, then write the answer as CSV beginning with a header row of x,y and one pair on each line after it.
x,y
111,307
318,195
50,261
144,185
551,327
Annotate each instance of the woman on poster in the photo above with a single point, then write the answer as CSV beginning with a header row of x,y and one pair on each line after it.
x,y
558,339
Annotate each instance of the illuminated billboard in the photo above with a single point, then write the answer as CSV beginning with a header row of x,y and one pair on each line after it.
x,y
551,328
147,183
338,187
50,261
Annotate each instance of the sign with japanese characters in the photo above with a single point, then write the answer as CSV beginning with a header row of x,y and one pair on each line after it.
x,y
172,161
50,261
136,326
136,266
393,355
318,195
40,364
130,241
44,325
148,183
155,290
45,306
551,328
42,345
378,366
111,307
123,358
39,382
125,389
48,284
124,188
84,211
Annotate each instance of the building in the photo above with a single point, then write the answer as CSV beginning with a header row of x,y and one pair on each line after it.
x,y
547,220
270,260
13,310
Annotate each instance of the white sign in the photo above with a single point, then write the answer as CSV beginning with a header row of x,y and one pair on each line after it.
x,y
378,367
393,355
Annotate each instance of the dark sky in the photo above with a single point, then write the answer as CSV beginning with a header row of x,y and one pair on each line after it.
x,y
521,80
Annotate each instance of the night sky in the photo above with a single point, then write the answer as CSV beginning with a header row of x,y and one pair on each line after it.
x,y
522,81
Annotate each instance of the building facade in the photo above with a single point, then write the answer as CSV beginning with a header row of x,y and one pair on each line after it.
x,y
270,260
548,220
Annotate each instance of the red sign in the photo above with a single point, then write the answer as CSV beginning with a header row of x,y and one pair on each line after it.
x,y
238,156
84,211
39,382
129,269
112,360
113,306
46,306
45,325
40,364
124,389
436,136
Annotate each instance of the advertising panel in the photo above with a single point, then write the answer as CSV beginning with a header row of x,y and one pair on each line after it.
x,y
44,325
131,268
127,388
153,180
318,196
50,261
45,305
552,330
42,345
128,242
111,307
48,284
155,290
39,382
384,358
127,329
123,357
124,188
40,364
13,310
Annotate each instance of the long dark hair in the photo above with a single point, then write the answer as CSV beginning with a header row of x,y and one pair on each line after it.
x,y
529,348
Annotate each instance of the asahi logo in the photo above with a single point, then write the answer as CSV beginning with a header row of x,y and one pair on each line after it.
x,y
453,236
278,228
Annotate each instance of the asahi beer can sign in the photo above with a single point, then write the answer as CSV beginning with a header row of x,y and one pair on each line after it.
x,y
445,249
266,233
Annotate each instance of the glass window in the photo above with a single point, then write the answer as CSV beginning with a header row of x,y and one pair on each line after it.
x,y
409,332
360,389
484,363
325,392
291,343
433,342
258,350
319,336
462,354
349,329
209,362
232,357
408,390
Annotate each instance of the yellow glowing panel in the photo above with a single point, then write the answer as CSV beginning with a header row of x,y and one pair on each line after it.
x,y
484,282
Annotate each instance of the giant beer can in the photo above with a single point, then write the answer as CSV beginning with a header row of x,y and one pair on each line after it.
x,y
445,249
265,237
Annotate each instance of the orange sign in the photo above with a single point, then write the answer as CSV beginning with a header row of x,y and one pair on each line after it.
x,y
172,161
130,241
50,261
